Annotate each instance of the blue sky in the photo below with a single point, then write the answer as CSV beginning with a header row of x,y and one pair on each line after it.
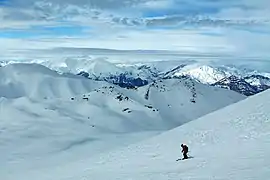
x,y
229,26
44,31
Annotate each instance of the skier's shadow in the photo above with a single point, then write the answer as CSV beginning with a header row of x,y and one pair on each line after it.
x,y
181,159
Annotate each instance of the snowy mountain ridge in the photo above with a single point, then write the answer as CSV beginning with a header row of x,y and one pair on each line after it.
x,y
204,74
239,85
141,74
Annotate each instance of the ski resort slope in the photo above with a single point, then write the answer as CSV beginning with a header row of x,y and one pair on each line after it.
x,y
230,144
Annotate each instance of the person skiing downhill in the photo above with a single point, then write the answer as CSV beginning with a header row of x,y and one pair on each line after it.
x,y
184,151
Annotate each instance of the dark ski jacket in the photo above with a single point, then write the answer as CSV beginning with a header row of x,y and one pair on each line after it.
x,y
184,149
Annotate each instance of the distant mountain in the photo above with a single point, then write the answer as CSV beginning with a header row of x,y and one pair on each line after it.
x,y
246,82
204,74
258,80
249,82
237,84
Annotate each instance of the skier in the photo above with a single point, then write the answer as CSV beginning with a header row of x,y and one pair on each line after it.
x,y
184,151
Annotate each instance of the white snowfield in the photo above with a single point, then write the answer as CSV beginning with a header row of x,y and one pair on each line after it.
x,y
54,126
230,144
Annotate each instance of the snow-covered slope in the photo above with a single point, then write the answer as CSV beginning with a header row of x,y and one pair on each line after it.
x,y
232,143
50,119
184,99
39,82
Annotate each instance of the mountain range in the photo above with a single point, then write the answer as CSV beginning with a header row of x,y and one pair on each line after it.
x,y
241,80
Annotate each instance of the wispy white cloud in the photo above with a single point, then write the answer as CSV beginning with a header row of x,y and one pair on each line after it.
x,y
132,12
202,26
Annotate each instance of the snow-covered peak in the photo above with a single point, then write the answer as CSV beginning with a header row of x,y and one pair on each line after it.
x,y
203,73
258,80
239,85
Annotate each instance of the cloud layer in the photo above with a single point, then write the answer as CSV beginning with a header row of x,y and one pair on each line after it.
x,y
203,26
135,12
